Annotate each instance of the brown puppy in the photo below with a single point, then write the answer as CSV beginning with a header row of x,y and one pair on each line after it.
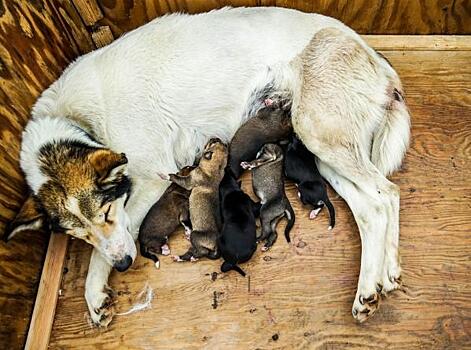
x,y
271,124
163,219
268,185
203,181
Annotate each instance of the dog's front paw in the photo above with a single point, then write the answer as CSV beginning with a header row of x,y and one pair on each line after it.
x,y
100,306
365,306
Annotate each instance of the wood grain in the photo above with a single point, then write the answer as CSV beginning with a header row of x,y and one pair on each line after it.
x,y
365,16
35,45
46,299
300,296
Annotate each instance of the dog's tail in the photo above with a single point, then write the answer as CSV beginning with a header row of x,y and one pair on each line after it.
x,y
291,218
391,139
331,209
225,267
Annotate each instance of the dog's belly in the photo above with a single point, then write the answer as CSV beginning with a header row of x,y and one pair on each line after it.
x,y
160,92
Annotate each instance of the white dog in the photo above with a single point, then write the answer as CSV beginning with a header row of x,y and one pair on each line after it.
x,y
160,92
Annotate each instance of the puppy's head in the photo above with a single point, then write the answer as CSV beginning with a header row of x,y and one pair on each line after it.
x,y
270,152
214,158
83,194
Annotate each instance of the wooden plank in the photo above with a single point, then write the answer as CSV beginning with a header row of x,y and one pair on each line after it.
x,y
89,11
102,36
364,16
300,296
419,43
46,300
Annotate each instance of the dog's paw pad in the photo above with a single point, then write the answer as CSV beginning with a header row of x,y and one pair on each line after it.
x,y
176,258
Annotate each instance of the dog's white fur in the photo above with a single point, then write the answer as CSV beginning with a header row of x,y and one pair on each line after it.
x,y
160,92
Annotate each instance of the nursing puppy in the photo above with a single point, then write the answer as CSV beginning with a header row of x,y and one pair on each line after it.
x,y
268,185
300,166
238,239
203,181
163,219
270,124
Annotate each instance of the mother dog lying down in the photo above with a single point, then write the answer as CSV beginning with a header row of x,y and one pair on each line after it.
x,y
147,104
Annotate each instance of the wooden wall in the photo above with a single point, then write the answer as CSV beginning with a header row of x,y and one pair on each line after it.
x,y
38,38
365,16
35,45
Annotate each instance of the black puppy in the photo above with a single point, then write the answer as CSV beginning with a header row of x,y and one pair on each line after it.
x,y
237,241
300,166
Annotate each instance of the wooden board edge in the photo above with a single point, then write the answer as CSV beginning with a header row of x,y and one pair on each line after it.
x,y
44,310
419,42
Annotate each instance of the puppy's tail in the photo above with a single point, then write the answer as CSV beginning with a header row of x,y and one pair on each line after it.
x,y
331,209
289,212
391,139
228,267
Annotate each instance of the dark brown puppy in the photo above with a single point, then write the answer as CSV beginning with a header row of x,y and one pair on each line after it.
x,y
270,124
203,181
163,219
268,185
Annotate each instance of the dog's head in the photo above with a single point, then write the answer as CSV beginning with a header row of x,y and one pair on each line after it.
x,y
83,193
214,158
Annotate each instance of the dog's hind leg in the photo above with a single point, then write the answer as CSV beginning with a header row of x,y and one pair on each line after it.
x,y
368,195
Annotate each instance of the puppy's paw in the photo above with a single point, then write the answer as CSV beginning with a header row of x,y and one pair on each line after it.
x,y
265,248
193,259
177,258
246,165
165,249
313,214
164,176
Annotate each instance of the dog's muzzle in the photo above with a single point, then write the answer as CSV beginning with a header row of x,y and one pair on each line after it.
x,y
123,264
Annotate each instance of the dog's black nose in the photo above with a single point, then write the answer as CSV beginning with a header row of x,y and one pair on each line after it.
x,y
123,264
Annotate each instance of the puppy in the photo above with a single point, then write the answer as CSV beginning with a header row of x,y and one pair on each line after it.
x,y
238,239
271,124
163,219
203,181
268,185
300,166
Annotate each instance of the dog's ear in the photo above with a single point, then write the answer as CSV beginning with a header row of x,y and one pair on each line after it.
x,y
109,166
30,217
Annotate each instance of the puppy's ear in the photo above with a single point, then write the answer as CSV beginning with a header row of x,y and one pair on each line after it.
x,y
30,217
109,166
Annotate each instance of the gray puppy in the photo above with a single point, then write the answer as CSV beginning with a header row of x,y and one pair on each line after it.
x,y
268,185
270,124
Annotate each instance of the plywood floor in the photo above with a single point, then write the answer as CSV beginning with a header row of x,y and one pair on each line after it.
x,y
300,296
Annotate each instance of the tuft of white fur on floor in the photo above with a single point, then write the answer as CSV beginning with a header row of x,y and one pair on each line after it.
x,y
144,301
